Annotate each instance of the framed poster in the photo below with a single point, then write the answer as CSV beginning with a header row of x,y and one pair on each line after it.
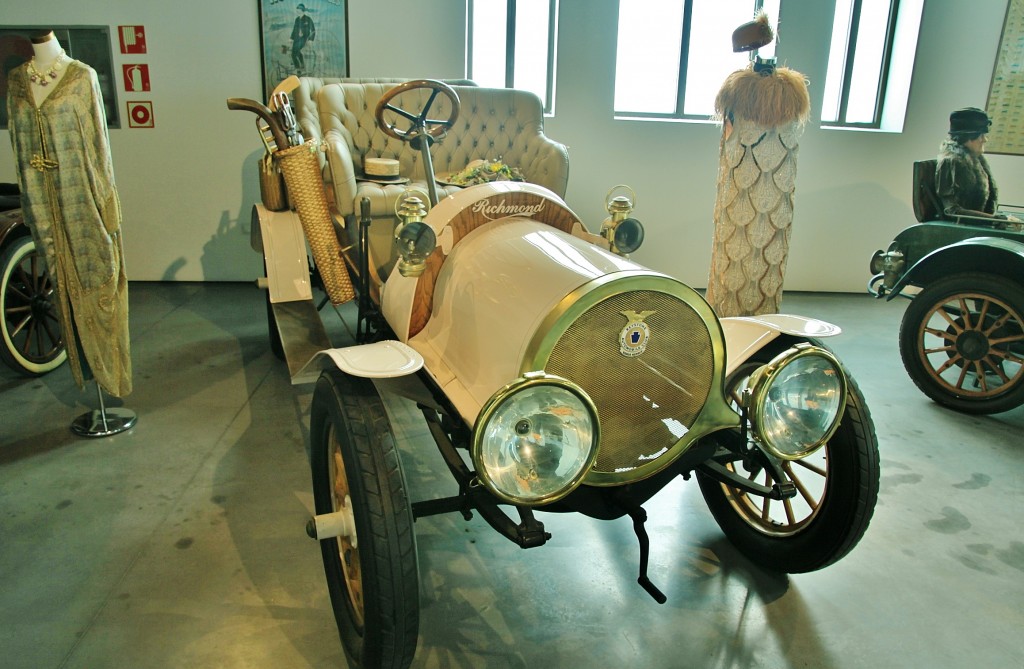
x,y
89,44
307,39
1006,93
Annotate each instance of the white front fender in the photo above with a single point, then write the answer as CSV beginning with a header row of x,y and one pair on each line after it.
x,y
380,360
746,335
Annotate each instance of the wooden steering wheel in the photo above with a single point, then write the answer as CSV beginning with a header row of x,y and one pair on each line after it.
x,y
420,123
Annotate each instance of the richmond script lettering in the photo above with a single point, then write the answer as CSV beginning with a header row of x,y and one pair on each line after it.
x,y
493,210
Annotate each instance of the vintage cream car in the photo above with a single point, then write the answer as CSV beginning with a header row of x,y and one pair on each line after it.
x,y
557,375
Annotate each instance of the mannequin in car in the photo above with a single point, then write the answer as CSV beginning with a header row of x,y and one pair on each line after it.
x,y
763,109
59,134
963,178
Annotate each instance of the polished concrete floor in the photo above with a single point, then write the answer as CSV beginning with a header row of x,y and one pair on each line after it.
x,y
181,542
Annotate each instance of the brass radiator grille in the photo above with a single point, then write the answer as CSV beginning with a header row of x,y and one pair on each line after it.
x,y
648,402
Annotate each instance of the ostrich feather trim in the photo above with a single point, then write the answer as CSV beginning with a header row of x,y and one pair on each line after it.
x,y
769,100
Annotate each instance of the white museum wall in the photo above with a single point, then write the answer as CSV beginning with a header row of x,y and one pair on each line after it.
x,y
853,188
187,186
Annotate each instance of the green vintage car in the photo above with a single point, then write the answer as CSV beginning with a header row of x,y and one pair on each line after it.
x,y
962,336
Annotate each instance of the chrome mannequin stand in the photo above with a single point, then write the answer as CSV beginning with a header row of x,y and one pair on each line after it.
x,y
103,422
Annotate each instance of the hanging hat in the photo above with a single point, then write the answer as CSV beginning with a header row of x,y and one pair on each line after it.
x,y
753,35
968,121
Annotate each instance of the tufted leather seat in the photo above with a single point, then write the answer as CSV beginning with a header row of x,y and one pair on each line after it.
x,y
304,99
493,123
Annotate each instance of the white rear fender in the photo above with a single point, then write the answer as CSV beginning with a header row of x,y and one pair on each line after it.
x,y
746,335
279,237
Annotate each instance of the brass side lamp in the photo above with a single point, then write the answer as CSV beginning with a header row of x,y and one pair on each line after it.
x,y
624,234
414,239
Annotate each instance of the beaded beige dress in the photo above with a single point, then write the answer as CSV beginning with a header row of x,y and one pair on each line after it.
x,y
69,201
763,116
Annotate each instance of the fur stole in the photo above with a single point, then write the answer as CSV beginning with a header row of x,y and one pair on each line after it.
x,y
964,179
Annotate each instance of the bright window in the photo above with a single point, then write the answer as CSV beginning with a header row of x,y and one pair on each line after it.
x,y
522,57
673,55
870,63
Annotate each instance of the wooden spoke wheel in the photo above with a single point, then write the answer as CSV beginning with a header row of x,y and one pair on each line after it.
x,y
837,487
32,341
962,343
371,571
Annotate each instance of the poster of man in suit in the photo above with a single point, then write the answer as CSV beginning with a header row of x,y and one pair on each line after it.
x,y
307,39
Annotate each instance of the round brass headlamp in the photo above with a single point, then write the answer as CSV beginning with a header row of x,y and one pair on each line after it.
x,y
535,439
795,402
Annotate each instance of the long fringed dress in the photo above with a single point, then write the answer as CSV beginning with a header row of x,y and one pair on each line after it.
x,y
70,204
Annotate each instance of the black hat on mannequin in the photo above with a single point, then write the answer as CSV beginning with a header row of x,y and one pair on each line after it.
x,y
968,121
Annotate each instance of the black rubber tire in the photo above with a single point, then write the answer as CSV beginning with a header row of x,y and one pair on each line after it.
x,y
843,510
350,436
29,326
950,377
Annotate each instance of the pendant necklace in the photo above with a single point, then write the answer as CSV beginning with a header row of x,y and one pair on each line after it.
x,y
44,78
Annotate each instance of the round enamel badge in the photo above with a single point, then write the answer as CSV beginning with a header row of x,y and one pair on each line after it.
x,y
634,337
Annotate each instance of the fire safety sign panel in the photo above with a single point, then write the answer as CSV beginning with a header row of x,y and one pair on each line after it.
x,y
140,114
133,39
136,77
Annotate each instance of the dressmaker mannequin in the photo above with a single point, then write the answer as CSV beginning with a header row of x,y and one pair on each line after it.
x,y
48,63
69,202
